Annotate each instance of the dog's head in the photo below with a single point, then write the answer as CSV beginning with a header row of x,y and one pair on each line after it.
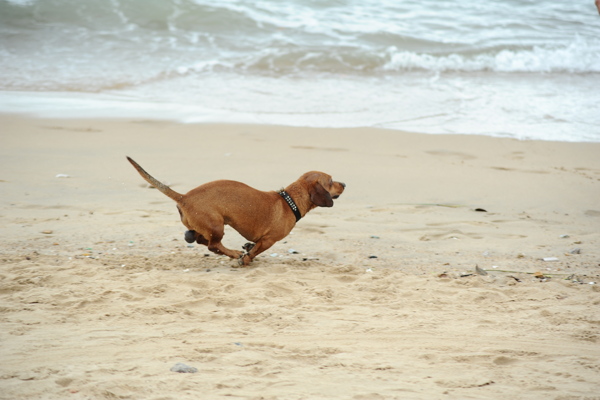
x,y
322,188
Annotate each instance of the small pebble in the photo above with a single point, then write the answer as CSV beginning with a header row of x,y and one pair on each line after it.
x,y
48,232
62,176
182,368
550,259
576,251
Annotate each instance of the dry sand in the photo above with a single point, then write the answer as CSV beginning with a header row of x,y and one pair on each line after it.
x,y
101,296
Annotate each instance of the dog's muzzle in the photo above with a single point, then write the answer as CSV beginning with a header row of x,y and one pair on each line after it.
x,y
337,195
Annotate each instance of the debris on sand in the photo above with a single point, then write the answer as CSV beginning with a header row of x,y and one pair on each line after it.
x,y
183,368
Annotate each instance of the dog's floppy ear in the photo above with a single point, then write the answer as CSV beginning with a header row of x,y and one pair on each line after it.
x,y
320,196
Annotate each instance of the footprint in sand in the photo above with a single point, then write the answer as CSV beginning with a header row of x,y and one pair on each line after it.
x,y
459,155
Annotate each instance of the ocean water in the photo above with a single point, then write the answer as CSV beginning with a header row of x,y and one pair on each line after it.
x,y
528,69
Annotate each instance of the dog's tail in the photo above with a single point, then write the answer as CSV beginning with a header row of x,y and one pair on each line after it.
x,y
159,185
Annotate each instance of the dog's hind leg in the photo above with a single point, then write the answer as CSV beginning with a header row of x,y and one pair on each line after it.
x,y
214,244
218,248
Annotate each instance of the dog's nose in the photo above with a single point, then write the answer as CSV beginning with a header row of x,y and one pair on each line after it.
x,y
343,185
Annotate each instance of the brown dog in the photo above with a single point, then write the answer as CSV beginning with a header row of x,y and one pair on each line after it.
x,y
263,218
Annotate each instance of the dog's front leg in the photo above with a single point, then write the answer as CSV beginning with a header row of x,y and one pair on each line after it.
x,y
261,245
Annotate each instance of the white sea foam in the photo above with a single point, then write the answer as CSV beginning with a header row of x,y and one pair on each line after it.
x,y
578,57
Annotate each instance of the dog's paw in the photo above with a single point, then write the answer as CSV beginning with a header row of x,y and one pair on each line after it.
x,y
190,236
248,246
244,260
240,261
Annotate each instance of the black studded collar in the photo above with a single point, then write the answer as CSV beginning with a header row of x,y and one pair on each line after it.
x,y
288,199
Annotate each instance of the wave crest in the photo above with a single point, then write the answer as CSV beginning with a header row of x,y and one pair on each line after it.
x,y
578,57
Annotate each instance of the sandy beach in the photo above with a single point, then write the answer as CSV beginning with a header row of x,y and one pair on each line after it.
x,y
452,267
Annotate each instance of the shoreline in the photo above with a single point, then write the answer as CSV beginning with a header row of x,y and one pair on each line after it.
x,y
136,104
385,290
